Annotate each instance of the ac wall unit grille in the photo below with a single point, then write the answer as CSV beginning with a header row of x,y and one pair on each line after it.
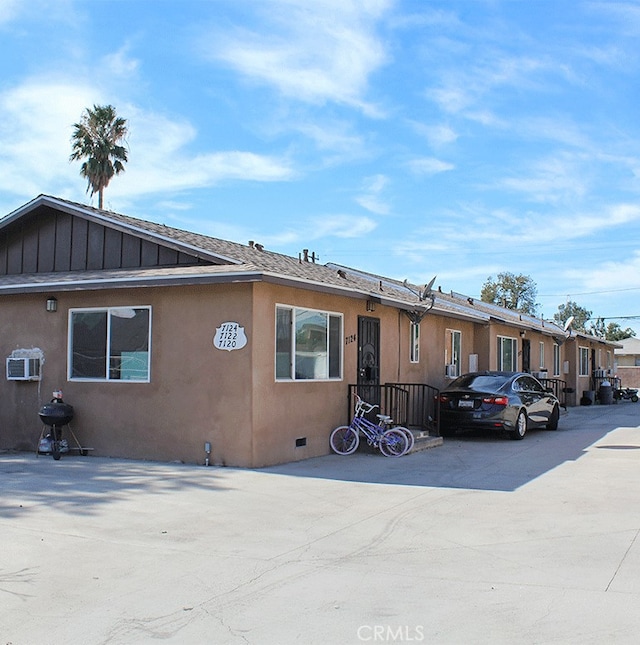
x,y
452,370
23,369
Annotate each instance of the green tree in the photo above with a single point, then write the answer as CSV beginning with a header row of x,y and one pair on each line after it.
x,y
517,292
580,316
614,332
98,138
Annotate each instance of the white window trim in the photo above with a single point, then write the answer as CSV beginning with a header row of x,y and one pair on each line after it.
x,y
499,357
583,350
106,379
414,348
449,353
556,359
291,378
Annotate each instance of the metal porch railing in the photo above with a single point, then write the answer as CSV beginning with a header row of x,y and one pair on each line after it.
x,y
413,405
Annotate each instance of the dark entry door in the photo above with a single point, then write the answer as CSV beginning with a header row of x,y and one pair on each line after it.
x,y
526,355
369,359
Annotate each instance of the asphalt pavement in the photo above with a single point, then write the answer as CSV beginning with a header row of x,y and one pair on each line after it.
x,y
479,540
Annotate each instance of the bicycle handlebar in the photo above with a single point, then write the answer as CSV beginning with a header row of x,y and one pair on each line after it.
x,y
362,406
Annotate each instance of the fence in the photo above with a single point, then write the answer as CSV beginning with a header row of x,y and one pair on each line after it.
x,y
559,389
413,405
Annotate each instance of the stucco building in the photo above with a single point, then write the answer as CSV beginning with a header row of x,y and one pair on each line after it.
x,y
166,341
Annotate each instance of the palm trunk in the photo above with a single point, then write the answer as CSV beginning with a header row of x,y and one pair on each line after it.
x,y
100,199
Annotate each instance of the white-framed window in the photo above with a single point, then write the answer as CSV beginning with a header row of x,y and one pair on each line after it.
x,y
541,355
110,344
414,349
584,361
453,352
556,359
308,344
507,354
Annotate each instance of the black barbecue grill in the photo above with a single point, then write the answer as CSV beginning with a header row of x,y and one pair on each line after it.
x,y
56,416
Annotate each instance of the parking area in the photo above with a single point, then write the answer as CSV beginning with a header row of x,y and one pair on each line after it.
x,y
481,540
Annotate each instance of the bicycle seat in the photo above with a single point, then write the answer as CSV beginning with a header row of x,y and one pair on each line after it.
x,y
384,417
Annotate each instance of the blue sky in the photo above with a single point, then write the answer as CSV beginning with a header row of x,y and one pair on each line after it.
x,y
411,139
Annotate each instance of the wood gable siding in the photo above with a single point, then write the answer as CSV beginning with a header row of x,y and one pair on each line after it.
x,y
49,240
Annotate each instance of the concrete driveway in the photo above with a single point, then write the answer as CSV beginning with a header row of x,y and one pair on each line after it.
x,y
482,540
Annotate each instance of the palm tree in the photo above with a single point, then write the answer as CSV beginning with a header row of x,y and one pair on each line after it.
x,y
98,138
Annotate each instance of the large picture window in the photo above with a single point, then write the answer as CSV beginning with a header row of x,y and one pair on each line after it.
x,y
110,344
507,354
308,344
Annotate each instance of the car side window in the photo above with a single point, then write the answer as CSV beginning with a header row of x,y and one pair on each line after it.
x,y
536,387
530,385
517,385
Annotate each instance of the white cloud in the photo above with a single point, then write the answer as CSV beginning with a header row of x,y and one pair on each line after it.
x,y
561,178
436,135
335,139
342,226
371,199
598,278
310,51
119,63
35,127
8,10
36,124
429,166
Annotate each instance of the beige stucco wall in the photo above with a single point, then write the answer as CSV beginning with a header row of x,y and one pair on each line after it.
x,y
231,399
196,393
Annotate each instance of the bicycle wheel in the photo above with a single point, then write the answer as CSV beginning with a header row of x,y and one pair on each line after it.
x,y
344,440
393,443
409,435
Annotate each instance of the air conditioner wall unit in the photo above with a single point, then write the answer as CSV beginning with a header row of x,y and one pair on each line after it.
x,y
452,370
23,369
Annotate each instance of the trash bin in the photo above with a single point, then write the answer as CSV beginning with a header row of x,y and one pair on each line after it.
x,y
605,393
588,397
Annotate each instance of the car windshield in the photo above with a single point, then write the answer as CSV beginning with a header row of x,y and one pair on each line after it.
x,y
481,382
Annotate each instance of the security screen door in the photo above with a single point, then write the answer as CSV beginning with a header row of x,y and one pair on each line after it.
x,y
369,359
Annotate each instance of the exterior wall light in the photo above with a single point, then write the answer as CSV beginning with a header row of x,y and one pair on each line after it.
x,y
52,304
371,305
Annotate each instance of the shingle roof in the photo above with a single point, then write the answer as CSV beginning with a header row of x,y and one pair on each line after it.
x,y
233,261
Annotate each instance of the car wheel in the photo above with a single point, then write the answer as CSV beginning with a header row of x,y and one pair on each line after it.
x,y
521,426
553,419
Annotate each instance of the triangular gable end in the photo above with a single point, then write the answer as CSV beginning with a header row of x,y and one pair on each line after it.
x,y
44,239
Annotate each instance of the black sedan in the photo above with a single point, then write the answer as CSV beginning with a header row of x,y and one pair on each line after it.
x,y
511,401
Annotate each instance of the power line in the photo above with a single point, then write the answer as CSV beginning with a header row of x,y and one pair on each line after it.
x,y
585,293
